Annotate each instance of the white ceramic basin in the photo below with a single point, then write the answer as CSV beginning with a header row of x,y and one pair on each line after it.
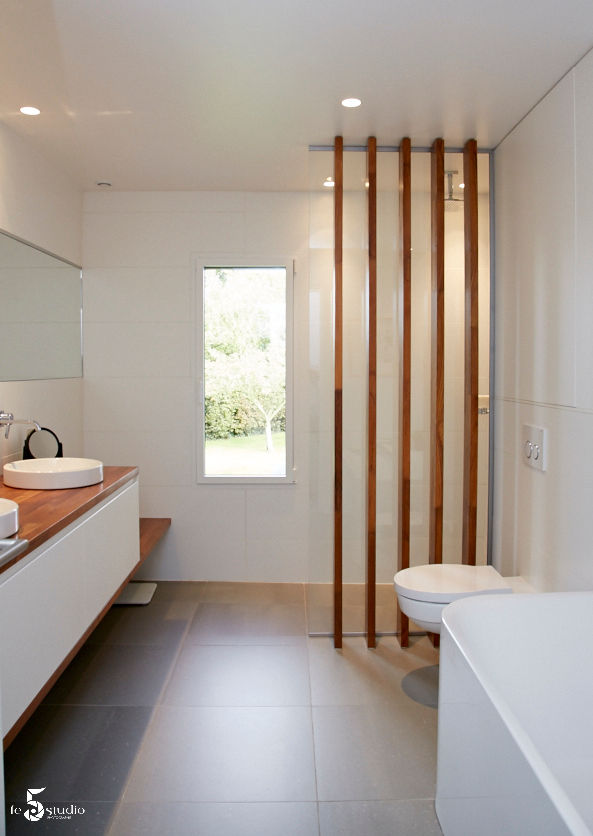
x,y
9,518
51,474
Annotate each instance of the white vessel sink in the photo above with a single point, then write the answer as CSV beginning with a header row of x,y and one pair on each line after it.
x,y
51,474
9,518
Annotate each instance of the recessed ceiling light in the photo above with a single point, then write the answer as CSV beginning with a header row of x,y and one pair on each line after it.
x,y
103,184
30,111
329,183
352,102
462,185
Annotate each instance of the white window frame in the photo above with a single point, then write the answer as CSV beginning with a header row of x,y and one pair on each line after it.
x,y
210,261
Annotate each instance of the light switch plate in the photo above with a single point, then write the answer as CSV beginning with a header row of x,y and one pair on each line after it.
x,y
534,446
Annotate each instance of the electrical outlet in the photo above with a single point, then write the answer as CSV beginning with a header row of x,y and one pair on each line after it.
x,y
534,446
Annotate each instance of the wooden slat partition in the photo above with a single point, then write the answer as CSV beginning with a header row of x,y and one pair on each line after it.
x,y
435,554
338,383
371,517
470,463
405,367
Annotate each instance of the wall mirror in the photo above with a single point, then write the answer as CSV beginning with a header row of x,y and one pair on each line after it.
x,y
40,313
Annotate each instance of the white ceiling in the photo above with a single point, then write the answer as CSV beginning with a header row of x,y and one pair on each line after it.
x,y
229,94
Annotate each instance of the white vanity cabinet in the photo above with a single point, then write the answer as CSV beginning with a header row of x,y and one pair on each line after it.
x,y
49,600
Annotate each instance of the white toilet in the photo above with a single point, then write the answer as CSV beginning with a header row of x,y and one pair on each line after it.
x,y
423,591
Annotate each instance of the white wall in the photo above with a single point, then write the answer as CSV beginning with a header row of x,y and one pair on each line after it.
x,y
543,522
40,204
140,371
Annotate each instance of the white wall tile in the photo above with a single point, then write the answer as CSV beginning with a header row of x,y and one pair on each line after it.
x,y
276,561
278,233
156,349
542,521
584,238
40,203
109,202
164,457
293,204
535,290
138,294
207,536
158,239
288,518
140,358
143,404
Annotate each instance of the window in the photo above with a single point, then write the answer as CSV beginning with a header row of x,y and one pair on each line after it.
x,y
245,318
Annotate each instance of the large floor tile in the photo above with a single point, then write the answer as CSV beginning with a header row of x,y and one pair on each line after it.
x,y
179,591
246,675
182,819
80,754
320,611
422,685
226,754
379,818
248,623
362,753
254,593
157,623
356,675
90,819
114,675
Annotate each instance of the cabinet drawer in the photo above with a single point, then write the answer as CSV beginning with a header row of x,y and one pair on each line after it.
x,y
111,547
42,615
47,605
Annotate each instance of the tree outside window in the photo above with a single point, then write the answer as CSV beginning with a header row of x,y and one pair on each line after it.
x,y
245,371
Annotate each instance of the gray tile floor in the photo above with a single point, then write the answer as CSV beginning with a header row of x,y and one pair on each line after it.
x,y
211,712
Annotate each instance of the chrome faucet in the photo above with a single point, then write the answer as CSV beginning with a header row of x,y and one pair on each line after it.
x,y
7,419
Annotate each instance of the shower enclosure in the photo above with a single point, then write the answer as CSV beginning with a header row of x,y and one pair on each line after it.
x,y
355,375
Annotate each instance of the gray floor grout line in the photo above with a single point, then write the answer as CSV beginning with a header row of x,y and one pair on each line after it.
x,y
158,704
150,723
313,733
183,644
307,634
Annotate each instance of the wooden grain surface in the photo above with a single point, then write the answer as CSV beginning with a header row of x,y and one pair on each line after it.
x,y
405,375
42,514
371,516
338,385
435,550
470,461
152,529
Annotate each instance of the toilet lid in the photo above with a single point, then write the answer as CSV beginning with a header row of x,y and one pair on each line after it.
x,y
444,582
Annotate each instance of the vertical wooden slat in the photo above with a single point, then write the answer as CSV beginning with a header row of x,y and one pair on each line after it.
x,y
405,371
371,519
437,349
338,376
470,462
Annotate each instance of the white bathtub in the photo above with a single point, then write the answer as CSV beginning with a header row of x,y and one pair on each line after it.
x,y
515,737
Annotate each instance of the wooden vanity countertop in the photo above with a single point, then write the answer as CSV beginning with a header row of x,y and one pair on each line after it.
x,y
42,514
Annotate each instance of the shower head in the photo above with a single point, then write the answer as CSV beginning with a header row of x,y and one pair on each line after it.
x,y
449,194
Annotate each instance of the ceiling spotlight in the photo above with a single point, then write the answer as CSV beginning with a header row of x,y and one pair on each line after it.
x,y
329,183
462,185
352,102
30,111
